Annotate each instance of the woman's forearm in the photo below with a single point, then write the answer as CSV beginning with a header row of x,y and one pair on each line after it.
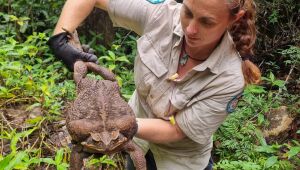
x,y
158,131
74,12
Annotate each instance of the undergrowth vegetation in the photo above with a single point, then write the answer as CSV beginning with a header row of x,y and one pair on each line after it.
x,y
35,87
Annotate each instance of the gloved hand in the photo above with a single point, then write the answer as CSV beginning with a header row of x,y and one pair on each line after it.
x,y
66,52
86,48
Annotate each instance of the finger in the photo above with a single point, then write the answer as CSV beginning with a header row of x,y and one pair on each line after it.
x,y
89,57
93,58
85,47
91,51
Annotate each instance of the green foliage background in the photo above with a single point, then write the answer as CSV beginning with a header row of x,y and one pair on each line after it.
x,y
29,74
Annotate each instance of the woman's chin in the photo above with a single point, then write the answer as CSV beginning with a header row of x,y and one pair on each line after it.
x,y
193,42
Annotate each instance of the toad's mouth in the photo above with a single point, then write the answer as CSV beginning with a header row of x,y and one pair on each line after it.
x,y
104,147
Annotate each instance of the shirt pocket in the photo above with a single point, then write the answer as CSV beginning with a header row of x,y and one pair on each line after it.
x,y
148,53
149,74
159,98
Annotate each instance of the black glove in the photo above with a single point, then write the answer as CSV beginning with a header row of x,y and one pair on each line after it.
x,y
66,52
86,48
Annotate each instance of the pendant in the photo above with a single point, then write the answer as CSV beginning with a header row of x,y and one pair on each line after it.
x,y
183,59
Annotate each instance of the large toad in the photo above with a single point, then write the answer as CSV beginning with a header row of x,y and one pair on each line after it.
x,y
99,120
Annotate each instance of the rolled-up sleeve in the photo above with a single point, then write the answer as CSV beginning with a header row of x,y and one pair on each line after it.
x,y
131,14
200,120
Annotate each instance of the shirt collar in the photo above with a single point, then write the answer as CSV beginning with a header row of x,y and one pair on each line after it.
x,y
215,59
177,26
178,30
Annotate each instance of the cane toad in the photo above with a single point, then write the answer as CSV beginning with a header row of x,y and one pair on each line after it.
x,y
99,120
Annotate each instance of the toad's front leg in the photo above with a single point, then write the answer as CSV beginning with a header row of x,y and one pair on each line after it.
x,y
137,155
81,129
77,156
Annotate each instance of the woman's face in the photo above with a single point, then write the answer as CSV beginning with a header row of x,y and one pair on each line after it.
x,y
204,21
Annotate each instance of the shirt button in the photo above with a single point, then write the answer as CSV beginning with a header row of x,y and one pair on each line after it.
x,y
151,96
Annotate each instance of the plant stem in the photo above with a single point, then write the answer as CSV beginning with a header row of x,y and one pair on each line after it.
x,y
2,143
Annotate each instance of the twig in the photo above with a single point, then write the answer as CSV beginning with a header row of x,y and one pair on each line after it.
x,y
6,121
286,80
8,124
35,142
290,72
125,37
261,63
50,148
16,99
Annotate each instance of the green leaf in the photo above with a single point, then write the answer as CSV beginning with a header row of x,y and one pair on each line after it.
x,y
265,78
293,151
105,160
279,83
34,160
62,166
35,120
49,161
24,18
31,107
272,77
261,118
123,59
112,55
17,159
115,47
15,66
93,162
13,18
254,89
111,67
45,90
266,149
59,156
28,67
105,58
120,81
4,162
4,93
271,161
261,138
15,138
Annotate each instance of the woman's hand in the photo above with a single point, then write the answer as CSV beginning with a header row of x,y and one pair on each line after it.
x,y
66,52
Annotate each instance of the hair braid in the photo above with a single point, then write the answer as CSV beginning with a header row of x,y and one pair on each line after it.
x,y
243,32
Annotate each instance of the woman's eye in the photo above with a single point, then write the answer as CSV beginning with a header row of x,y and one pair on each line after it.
x,y
188,14
207,23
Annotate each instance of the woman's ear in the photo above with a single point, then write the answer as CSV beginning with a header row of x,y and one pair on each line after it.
x,y
239,15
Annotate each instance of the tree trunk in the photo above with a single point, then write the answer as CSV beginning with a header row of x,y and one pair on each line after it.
x,y
98,22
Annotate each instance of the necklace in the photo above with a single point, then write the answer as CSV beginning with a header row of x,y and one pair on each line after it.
x,y
184,56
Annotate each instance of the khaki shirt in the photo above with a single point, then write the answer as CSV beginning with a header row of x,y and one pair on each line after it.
x,y
199,98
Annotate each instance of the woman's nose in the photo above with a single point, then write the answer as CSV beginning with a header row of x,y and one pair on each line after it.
x,y
192,28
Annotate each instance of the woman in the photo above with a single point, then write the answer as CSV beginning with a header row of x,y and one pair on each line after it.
x,y
192,63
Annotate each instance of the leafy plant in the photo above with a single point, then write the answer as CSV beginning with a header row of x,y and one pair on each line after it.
x,y
59,160
98,162
16,158
239,141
